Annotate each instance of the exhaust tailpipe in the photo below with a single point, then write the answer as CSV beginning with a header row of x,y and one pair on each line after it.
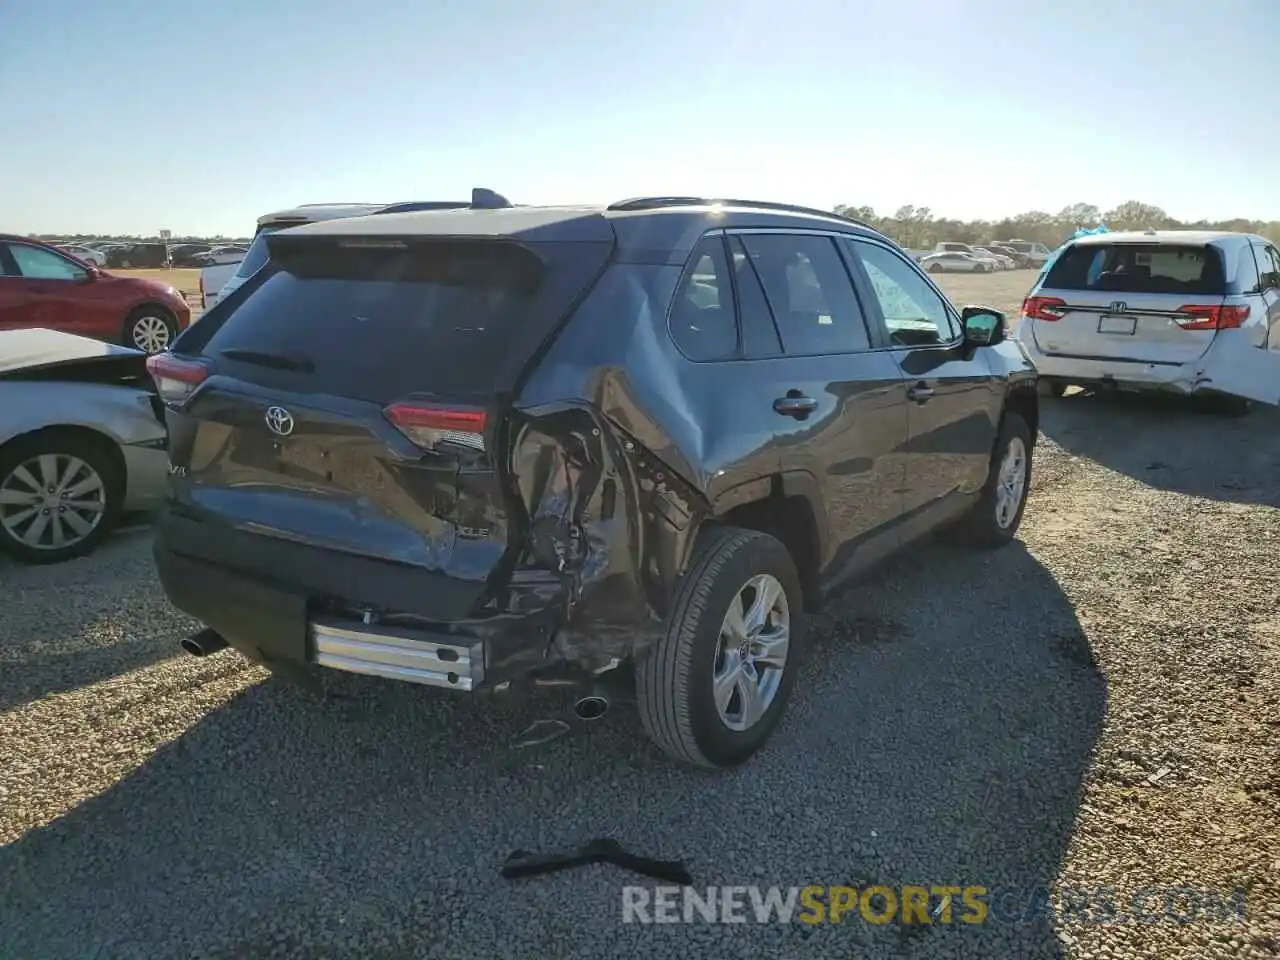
x,y
205,642
593,706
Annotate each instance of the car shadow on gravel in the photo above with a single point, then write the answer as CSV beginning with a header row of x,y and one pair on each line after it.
x,y
63,625
942,725
1172,443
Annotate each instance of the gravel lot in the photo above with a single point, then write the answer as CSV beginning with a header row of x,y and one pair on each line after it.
x,y
988,719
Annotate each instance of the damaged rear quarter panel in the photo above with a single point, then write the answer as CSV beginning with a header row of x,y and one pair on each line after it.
x,y
618,453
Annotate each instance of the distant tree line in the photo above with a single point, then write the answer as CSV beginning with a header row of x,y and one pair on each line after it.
x,y
918,229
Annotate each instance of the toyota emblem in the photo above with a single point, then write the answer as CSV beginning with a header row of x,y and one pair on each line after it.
x,y
279,421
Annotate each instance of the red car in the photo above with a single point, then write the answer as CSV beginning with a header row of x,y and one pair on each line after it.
x,y
40,286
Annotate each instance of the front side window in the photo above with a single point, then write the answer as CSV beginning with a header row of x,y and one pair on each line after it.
x,y
703,321
809,293
36,263
914,314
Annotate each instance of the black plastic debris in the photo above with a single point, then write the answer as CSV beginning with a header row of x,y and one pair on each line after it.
x,y
522,863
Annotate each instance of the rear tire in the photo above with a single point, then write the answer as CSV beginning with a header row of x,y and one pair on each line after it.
x,y
935,268
706,649
994,520
28,530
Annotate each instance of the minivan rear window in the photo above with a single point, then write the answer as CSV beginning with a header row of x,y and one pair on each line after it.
x,y
380,321
1139,268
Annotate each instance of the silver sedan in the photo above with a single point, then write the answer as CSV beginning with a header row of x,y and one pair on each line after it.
x,y
82,441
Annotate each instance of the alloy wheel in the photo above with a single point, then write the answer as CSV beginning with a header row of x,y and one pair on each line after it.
x,y
52,501
751,655
1011,481
151,334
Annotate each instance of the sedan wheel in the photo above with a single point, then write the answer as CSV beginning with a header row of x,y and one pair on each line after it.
x,y
151,331
58,497
752,653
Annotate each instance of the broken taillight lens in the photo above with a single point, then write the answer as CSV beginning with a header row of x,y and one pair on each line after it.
x,y
175,379
1048,309
1200,317
431,426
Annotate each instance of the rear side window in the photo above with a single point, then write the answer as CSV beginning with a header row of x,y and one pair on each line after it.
x,y
1247,275
378,323
1139,268
703,324
809,292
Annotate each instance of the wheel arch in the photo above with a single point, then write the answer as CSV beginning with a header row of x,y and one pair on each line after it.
x,y
109,446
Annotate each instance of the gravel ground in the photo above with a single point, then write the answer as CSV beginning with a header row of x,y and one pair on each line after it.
x,y
1099,705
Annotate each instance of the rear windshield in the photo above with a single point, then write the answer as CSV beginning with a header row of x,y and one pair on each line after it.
x,y
378,323
1139,268
256,257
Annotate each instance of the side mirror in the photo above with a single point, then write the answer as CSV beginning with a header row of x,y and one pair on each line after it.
x,y
982,326
91,273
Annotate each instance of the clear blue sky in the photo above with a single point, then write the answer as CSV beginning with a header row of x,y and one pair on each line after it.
x,y
136,115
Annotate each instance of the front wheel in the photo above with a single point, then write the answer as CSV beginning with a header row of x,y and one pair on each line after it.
x,y
713,689
993,521
935,268
60,494
150,329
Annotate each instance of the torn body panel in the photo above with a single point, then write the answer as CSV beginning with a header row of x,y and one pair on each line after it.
x,y
609,523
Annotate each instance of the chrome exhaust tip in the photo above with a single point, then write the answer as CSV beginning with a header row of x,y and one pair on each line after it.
x,y
202,644
591,707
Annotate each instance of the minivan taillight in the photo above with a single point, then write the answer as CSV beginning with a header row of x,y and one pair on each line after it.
x,y
1048,309
175,379
1200,317
431,426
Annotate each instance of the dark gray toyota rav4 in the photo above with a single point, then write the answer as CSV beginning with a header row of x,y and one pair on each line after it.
x,y
480,448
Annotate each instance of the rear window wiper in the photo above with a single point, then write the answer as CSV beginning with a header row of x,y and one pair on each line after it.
x,y
278,361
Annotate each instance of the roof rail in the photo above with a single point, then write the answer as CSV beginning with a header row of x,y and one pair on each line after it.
x,y
657,203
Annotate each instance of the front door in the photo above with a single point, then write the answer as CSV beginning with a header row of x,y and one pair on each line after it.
x,y
50,288
953,397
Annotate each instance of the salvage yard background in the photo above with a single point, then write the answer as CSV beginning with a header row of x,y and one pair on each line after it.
x,y
1098,704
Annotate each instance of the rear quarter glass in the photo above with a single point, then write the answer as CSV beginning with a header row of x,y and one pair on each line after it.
x,y
380,323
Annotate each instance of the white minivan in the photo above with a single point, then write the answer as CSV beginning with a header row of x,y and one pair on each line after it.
x,y
1193,312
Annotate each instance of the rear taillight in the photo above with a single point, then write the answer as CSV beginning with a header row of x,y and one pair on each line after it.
x,y
1048,309
175,379
431,426
1198,317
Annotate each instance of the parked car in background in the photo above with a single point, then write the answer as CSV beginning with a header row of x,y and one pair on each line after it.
x,y
42,287
1037,254
217,256
1020,260
1193,312
478,448
956,263
82,441
87,254
138,255
1002,261
952,246
187,254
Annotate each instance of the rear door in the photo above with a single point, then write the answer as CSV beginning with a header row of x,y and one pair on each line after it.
x,y
953,397
838,405
1140,302
352,405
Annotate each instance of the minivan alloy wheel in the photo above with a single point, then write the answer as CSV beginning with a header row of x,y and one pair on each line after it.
x,y
150,333
52,501
1011,482
752,653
